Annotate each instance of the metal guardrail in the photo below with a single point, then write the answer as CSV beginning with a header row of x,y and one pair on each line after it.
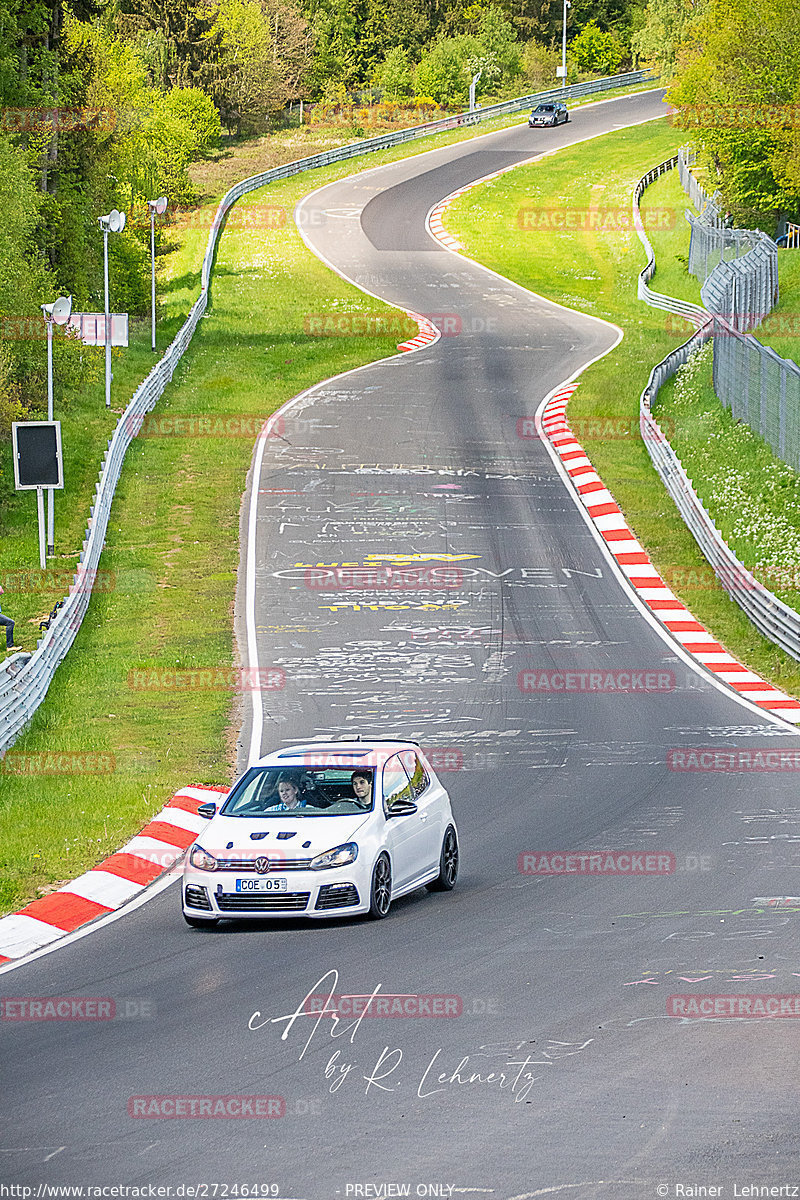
x,y
683,308
25,678
774,619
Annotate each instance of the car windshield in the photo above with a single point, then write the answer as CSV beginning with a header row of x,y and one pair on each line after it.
x,y
544,108
314,791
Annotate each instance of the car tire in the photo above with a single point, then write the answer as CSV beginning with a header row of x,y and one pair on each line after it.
x,y
200,922
380,892
445,881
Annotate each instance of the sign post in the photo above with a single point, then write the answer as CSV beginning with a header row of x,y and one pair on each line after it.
x,y
40,509
38,464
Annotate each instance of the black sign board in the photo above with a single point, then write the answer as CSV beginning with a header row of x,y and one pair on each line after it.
x,y
37,454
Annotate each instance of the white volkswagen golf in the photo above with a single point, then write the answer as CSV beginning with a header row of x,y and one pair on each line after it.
x,y
323,830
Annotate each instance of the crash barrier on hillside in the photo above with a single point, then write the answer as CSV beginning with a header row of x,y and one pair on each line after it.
x,y
737,267
777,404
756,384
25,678
746,291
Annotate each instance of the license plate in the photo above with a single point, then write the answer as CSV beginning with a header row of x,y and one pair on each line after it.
x,y
261,885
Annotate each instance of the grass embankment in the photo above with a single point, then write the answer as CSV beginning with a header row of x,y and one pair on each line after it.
x,y
172,544
595,271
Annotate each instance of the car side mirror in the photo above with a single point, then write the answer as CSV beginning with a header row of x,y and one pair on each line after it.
x,y
402,808
207,811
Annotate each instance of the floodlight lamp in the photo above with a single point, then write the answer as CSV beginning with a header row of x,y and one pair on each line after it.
x,y
158,206
59,311
113,222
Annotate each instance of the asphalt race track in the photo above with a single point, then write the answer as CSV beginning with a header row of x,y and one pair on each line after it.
x,y
558,986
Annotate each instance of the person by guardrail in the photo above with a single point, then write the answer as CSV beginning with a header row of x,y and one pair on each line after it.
x,y
9,624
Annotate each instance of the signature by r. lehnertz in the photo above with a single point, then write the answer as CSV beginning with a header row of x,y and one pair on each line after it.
x,y
515,1076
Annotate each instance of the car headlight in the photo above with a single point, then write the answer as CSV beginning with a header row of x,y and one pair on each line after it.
x,y
340,856
200,858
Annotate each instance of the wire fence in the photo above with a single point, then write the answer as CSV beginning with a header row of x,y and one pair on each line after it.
x,y
774,619
25,678
761,389
705,204
757,385
741,291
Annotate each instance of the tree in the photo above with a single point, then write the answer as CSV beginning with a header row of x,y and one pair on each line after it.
x,y
499,48
737,90
394,74
292,45
667,24
265,55
448,68
539,64
190,39
336,45
25,283
442,73
594,50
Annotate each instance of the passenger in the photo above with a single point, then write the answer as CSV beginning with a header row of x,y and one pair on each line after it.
x,y
289,792
362,786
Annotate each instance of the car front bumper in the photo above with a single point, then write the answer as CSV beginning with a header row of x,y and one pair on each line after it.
x,y
342,891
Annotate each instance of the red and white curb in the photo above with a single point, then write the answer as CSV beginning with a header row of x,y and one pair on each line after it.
x,y
110,884
428,333
643,577
435,222
436,226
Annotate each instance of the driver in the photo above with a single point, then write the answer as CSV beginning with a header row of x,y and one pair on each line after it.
x,y
362,786
289,792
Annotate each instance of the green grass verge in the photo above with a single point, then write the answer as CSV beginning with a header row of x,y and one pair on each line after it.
x,y
666,202
596,273
86,426
753,497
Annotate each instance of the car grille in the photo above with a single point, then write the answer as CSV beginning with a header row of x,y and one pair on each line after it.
x,y
197,897
269,902
247,866
337,895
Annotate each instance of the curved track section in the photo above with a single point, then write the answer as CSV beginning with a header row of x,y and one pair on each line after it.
x,y
560,1068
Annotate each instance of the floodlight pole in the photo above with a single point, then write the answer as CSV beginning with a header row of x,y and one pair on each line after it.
x,y
564,47
152,277
113,222
40,511
108,318
472,90
55,313
155,206
51,537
